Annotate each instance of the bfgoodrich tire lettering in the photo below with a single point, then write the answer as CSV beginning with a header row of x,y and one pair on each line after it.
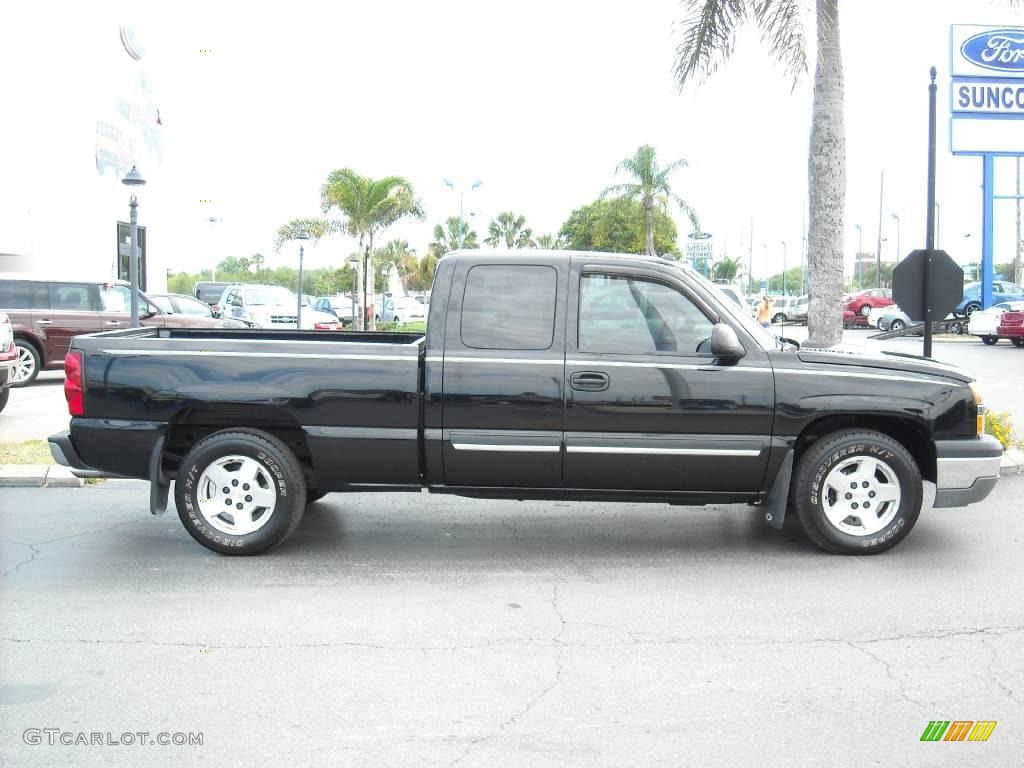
x,y
809,495
276,463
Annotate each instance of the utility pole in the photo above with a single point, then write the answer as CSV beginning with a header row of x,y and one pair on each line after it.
x,y
1017,276
750,259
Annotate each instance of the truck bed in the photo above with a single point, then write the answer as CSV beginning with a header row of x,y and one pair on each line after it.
x,y
348,398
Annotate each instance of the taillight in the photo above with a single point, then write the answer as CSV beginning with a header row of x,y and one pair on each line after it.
x,y
325,326
73,383
1012,318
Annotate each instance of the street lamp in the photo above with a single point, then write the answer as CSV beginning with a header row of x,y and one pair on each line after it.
x,y
462,199
302,236
856,259
132,180
353,260
896,216
213,221
783,267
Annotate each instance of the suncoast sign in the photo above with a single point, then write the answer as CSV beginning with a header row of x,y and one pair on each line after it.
x,y
986,96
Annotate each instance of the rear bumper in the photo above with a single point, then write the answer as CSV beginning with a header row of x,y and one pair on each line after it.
x,y
966,471
64,453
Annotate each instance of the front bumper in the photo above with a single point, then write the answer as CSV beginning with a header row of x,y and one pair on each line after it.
x,y
966,471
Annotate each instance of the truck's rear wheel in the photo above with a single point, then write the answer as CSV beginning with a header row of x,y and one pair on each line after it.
x,y
857,492
240,493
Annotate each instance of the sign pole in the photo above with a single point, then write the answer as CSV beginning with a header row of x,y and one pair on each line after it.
x,y
987,187
930,229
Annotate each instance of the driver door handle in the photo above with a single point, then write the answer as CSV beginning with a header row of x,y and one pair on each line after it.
x,y
589,381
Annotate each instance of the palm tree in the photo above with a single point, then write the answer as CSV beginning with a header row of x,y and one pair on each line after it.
x,y
446,237
650,188
510,229
368,206
548,242
709,36
727,268
315,227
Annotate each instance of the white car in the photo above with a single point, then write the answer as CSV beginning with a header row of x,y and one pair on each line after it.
x,y
401,309
984,322
271,306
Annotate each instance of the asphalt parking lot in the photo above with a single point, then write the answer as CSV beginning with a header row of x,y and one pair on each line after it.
x,y
412,630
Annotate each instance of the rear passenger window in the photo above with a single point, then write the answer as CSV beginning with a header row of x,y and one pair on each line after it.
x,y
509,306
71,297
14,294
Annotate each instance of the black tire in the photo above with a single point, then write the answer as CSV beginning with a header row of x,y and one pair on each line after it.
x,y
956,328
1017,341
807,496
24,347
971,308
865,310
5,395
989,340
779,318
312,495
281,466
897,325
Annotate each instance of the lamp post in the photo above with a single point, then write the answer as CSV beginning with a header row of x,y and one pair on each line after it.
x,y
302,236
353,261
132,180
783,267
856,265
213,221
462,199
896,216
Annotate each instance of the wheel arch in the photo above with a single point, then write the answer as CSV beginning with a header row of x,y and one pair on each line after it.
x,y
909,433
196,422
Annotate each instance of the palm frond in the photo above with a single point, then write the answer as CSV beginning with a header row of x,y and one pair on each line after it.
x,y
708,37
687,209
782,30
623,190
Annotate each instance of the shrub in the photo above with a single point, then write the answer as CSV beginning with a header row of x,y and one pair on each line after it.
x,y
999,424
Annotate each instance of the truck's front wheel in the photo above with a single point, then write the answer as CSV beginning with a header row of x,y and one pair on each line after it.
x,y
857,492
240,493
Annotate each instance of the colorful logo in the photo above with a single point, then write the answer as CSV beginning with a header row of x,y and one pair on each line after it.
x,y
1001,50
958,730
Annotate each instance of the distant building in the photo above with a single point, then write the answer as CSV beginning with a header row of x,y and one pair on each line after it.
x,y
81,112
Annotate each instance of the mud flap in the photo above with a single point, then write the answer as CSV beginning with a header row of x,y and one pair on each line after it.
x,y
778,497
159,484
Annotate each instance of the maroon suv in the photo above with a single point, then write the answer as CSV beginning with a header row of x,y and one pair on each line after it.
x,y
47,314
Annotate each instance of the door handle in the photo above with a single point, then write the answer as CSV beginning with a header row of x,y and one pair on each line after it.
x,y
589,381
44,322
113,322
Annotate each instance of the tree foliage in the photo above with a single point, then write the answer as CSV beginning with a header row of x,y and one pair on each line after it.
x,y
509,229
651,187
617,224
446,237
727,268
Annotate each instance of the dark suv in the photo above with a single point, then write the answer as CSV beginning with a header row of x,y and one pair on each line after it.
x,y
47,314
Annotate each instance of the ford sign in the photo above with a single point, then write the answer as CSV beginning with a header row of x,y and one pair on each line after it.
x,y
1001,50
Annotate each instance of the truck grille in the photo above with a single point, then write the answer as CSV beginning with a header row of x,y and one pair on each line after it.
x,y
283,319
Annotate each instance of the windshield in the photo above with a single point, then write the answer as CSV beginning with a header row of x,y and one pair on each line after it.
x,y
269,295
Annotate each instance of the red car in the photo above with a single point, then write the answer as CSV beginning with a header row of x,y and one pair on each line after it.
x,y
1011,325
863,302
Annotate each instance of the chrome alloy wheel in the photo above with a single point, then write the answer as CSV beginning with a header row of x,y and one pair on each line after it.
x,y
25,366
861,495
236,495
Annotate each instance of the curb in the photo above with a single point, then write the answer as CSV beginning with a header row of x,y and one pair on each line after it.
x,y
1012,463
37,476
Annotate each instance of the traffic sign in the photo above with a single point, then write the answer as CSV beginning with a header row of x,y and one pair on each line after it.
x,y
911,293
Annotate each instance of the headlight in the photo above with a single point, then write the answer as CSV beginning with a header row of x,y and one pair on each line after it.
x,y
981,407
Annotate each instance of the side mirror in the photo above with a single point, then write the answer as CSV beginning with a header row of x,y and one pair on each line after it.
x,y
724,343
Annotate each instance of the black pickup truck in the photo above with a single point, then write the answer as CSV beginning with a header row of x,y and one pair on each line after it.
x,y
542,375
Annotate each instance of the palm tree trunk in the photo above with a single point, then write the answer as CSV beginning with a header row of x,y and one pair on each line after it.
x,y
649,225
371,281
358,320
827,178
